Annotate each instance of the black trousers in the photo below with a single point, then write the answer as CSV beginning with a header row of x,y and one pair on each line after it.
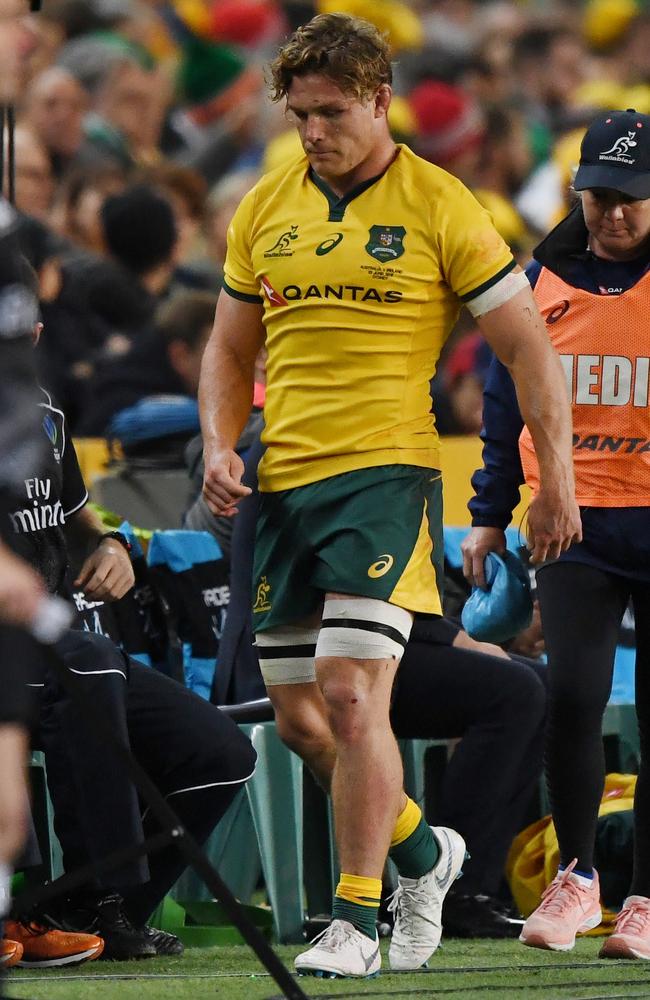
x,y
497,706
196,756
20,657
581,609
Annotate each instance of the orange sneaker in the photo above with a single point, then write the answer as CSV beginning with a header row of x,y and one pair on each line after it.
x,y
43,946
631,939
11,953
568,906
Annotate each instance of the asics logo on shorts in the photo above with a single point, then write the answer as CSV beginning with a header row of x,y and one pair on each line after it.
x,y
381,567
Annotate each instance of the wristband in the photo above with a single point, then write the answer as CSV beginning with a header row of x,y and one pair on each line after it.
x,y
119,537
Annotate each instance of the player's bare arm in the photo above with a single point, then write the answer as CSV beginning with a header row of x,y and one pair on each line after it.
x,y
515,331
225,398
21,589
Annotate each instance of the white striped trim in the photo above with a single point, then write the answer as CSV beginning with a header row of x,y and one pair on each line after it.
x,y
73,510
198,788
211,784
88,673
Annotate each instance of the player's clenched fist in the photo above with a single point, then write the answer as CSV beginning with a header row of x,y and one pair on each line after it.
x,y
222,485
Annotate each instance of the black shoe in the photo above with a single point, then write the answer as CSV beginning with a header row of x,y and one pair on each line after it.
x,y
105,916
479,916
164,942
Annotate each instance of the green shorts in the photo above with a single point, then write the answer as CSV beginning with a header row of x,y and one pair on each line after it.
x,y
372,533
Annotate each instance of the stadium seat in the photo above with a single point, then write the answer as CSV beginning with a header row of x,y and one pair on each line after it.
x,y
151,499
233,850
413,760
262,828
43,816
276,801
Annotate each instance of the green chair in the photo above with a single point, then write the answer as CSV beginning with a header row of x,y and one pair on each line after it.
x,y
43,816
262,832
232,849
276,803
414,753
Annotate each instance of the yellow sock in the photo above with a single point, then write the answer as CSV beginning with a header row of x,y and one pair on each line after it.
x,y
359,890
407,821
414,849
357,901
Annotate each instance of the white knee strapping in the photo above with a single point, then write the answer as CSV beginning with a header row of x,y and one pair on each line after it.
x,y
360,628
286,655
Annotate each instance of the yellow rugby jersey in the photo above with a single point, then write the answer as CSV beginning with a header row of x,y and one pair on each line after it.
x,y
360,294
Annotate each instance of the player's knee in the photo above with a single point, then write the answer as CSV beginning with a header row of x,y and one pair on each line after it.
x,y
350,707
305,735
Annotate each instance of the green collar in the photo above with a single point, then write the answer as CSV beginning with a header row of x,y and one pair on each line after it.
x,y
338,205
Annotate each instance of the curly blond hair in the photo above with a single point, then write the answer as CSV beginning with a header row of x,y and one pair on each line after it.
x,y
348,50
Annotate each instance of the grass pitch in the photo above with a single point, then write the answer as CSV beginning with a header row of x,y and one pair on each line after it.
x,y
460,970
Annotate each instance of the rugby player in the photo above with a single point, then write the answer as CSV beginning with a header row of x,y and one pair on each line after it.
x,y
351,264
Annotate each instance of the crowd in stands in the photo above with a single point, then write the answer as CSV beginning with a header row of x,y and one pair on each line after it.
x,y
143,123
141,126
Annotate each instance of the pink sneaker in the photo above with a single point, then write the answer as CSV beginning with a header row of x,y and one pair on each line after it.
x,y
568,906
631,939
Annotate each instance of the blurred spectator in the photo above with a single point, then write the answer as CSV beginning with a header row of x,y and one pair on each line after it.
x,y
105,304
164,360
33,174
186,191
54,108
506,158
605,22
141,236
504,163
549,64
395,18
633,53
222,202
128,101
75,214
451,128
449,23
245,22
457,389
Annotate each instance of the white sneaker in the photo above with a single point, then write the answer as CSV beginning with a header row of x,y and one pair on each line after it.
x,y
417,904
340,950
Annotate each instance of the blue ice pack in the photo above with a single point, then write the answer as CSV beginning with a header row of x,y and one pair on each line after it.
x,y
505,607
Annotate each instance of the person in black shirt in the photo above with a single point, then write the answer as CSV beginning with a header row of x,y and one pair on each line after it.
x,y
191,750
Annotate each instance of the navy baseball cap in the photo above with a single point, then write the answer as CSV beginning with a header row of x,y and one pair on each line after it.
x,y
615,154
